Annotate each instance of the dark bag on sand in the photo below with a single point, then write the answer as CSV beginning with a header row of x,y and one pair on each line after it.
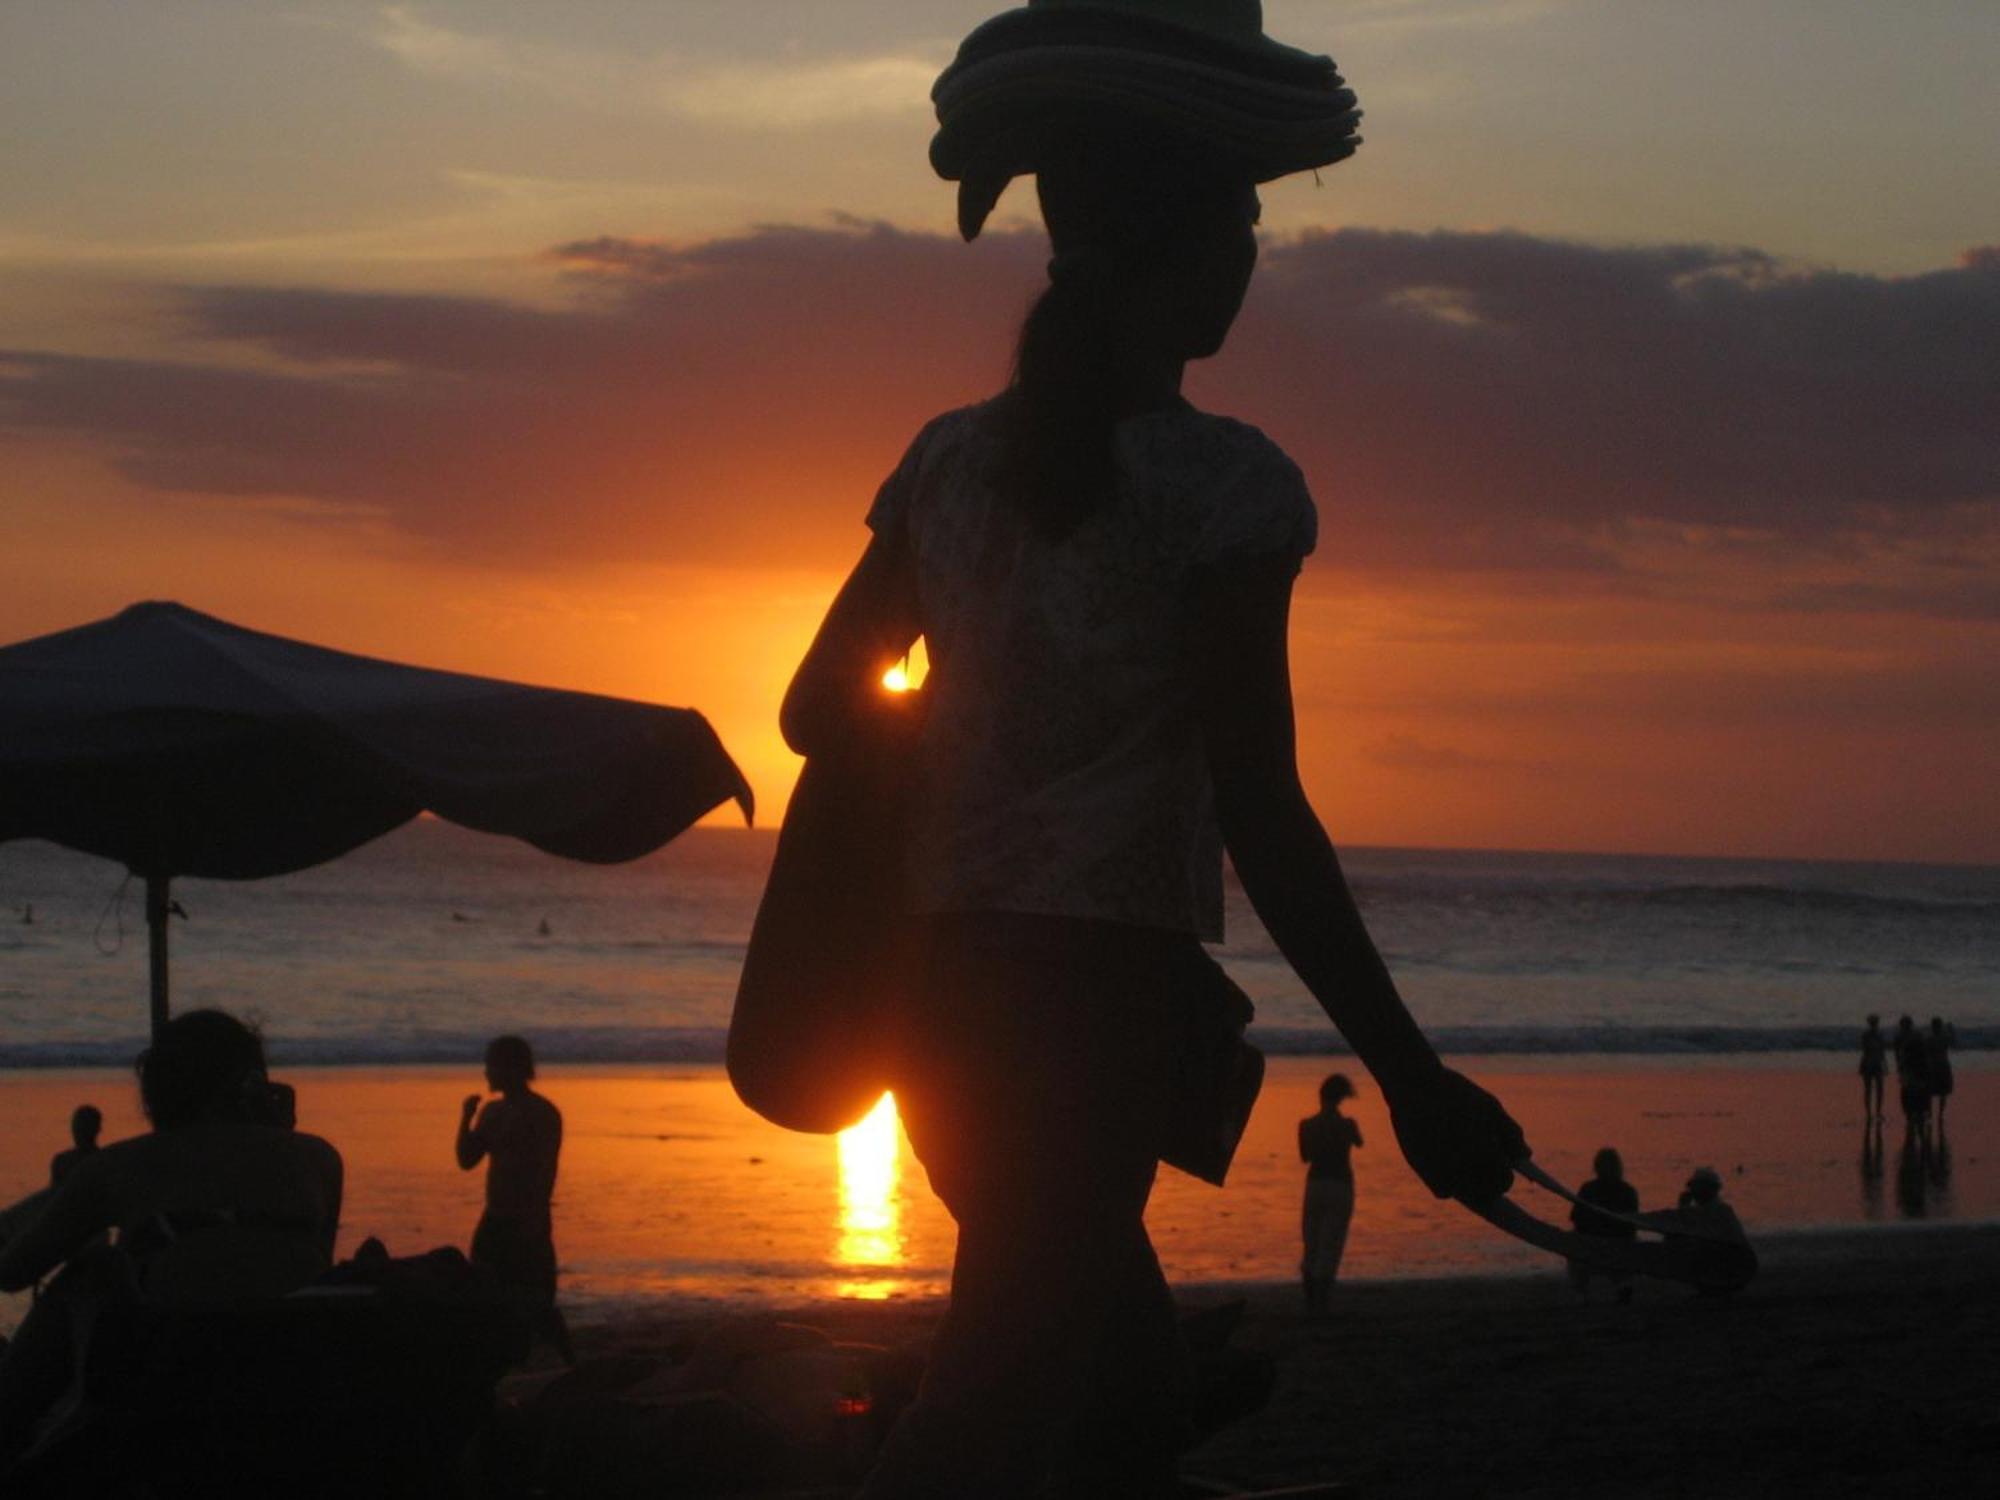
x,y
831,955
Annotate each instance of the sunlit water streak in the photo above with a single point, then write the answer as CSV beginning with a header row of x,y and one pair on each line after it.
x,y
871,1203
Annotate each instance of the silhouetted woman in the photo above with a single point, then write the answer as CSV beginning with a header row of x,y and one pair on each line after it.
x,y
1326,1144
1102,576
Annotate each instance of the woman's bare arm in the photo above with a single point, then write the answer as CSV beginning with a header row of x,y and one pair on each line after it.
x,y
1455,1134
868,628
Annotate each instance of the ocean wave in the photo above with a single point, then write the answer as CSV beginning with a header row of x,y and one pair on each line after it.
x,y
704,1045
1815,899
1555,892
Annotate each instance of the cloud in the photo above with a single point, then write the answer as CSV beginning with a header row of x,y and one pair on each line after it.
x,y
1485,403
790,94
1537,387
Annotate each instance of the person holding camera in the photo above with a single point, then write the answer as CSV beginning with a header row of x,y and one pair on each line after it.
x,y
222,1200
519,1136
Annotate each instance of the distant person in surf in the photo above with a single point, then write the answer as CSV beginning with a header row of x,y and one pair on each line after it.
x,y
1874,1068
1326,1144
519,1136
1913,1077
1938,1042
1607,1190
86,1122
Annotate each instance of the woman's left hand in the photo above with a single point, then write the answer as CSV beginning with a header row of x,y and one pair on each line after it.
x,y
1459,1139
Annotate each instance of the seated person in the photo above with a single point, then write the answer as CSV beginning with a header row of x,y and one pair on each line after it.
x,y
220,1201
1608,1189
85,1125
1701,1211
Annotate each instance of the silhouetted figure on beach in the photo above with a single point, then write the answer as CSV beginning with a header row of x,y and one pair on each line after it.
x,y
86,1123
1700,1207
1608,1190
1874,1067
1938,1042
220,1201
1102,575
1326,1143
519,1136
1913,1077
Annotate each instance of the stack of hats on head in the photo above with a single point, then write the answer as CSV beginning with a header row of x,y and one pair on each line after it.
x,y
1200,72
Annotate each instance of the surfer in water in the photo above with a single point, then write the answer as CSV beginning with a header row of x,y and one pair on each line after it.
x,y
1102,575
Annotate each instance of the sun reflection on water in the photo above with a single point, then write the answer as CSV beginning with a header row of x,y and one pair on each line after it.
x,y
871,1207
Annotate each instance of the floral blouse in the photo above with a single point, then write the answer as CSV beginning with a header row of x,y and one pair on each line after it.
x,y
1062,770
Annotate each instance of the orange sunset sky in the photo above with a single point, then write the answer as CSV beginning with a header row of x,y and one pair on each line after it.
x,y
1645,364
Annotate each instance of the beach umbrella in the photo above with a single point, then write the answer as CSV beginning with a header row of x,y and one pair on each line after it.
x,y
179,744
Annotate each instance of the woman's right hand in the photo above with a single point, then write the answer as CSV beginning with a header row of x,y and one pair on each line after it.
x,y
1457,1137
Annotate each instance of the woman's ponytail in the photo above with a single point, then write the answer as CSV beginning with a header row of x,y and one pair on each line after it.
x,y
1062,405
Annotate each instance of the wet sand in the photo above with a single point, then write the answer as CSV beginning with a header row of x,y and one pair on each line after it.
x,y
671,1191
1860,1363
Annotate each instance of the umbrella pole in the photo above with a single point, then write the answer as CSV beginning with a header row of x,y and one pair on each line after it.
x,y
156,945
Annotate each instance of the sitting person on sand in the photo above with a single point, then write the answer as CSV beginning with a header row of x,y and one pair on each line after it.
x,y
85,1125
219,1202
1326,1143
520,1135
1607,1190
1702,1210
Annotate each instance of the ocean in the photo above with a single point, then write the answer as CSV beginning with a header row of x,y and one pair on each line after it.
x,y
1691,1012
416,948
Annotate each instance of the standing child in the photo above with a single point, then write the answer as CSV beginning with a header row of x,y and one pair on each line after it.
x,y
1326,1143
520,1133
1874,1067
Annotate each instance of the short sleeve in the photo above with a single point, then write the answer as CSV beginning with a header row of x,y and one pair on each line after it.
x,y
1263,510
897,497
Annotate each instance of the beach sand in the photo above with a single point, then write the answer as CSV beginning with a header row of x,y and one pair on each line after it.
x,y
1860,1363
1457,1361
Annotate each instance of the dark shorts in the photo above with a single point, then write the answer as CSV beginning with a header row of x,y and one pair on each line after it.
x,y
521,1253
